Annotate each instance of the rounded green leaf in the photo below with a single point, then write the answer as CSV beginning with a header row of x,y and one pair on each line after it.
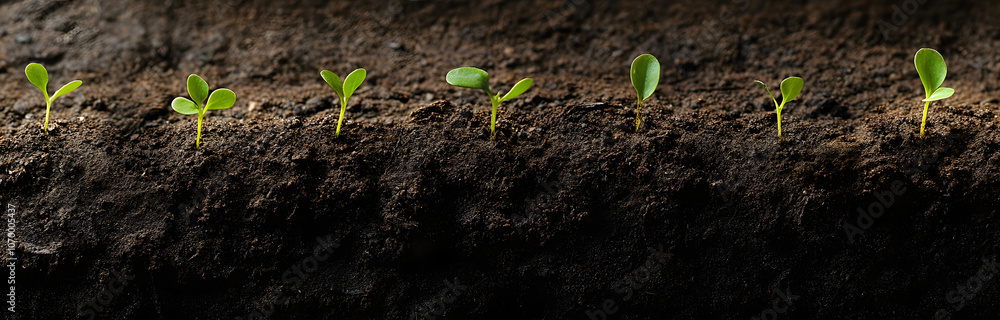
x,y
469,78
69,87
931,68
645,75
38,77
197,89
221,99
353,81
941,93
790,89
185,106
334,81
518,89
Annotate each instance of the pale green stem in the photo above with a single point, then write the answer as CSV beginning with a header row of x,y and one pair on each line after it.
x,y
779,124
924,122
48,107
201,116
343,108
778,110
493,116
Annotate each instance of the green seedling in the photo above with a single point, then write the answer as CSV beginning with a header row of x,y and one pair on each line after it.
x,y
478,79
932,70
198,90
344,89
39,77
645,77
790,89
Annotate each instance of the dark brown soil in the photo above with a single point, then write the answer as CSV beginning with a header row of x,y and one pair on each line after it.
x,y
414,213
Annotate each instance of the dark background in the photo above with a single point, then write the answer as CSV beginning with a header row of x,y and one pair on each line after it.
x,y
547,221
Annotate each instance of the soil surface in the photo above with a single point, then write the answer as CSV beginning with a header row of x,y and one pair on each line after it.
x,y
415,213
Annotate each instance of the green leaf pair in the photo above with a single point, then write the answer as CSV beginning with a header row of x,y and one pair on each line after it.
x,y
344,89
199,91
645,77
932,70
790,89
39,77
478,79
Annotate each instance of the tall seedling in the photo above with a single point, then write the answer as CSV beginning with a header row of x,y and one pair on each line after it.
x,y
478,79
39,77
932,70
198,90
790,89
645,76
344,89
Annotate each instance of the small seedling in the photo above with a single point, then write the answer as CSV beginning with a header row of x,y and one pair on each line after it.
x,y
345,89
932,70
645,76
790,89
198,90
478,79
39,77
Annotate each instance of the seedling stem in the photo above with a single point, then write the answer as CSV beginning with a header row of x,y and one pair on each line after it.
x,y
344,89
39,77
474,78
932,70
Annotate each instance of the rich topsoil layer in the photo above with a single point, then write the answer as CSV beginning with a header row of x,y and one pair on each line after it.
x,y
414,212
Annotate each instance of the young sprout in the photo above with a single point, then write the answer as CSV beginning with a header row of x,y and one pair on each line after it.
x,y
932,70
645,76
344,90
478,79
39,77
198,90
790,89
